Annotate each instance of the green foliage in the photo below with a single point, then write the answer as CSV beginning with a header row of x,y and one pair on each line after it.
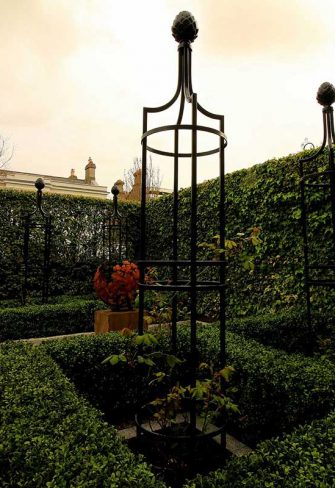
x,y
77,241
305,458
76,315
266,196
207,395
50,437
286,330
276,391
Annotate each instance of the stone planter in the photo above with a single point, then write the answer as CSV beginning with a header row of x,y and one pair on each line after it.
x,y
108,320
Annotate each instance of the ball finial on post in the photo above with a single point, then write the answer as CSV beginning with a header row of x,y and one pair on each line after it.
x,y
39,184
115,190
326,94
184,27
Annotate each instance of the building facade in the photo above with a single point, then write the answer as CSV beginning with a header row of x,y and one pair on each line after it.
x,y
72,185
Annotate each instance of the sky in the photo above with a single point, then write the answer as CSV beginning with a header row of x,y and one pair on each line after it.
x,y
76,75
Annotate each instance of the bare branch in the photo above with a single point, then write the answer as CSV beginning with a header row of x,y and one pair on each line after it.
x,y
6,151
153,177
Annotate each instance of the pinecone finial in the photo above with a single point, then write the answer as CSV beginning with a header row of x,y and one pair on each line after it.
x,y
184,27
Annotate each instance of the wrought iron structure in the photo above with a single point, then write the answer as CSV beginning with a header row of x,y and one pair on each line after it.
x,y
185,31
115,233
315,180
37,219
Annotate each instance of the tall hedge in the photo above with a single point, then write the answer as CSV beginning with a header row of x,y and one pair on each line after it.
x,y
76,244
265,195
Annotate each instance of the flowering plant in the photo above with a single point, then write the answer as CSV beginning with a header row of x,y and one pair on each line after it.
x,y
117,287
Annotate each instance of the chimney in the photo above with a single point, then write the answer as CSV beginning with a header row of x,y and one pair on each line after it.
x,y
90,172
72,175
122,194
136,190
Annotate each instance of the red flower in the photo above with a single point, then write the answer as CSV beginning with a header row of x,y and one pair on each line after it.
x,y
120,290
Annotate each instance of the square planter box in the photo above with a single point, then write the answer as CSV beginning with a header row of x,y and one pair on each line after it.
x,y
107,320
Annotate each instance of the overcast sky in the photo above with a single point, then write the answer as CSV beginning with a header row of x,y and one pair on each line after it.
x,y
76,74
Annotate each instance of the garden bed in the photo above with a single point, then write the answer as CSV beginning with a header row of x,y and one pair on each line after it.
x,y
276,391
51,436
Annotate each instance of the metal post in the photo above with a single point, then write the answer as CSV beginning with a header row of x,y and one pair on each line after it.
x,y
310,180
185,31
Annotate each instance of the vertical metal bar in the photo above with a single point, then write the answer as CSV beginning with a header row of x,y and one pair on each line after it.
x,y
109,230
143,224
119,243
46,265
103,238
330,123
222,220
175,242
306,257
26,256
124,239
193,352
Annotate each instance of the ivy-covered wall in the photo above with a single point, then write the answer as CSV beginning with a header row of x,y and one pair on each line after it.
x,y
76,244
265,195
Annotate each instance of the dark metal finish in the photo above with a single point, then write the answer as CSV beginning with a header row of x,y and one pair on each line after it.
x,y
38,218
184,27
310,181
117,232
184,30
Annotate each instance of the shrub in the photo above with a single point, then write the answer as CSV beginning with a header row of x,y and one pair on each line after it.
x,y
305,458
51,437
276,391
287,330
48,320
77,242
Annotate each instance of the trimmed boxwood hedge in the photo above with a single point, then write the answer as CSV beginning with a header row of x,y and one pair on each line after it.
x,y
276,391
48,320
286,330
51,437
305,458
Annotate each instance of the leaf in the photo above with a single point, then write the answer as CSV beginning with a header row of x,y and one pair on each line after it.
x,y
297,214
146,339
226,372
172,360
229,244
148,362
